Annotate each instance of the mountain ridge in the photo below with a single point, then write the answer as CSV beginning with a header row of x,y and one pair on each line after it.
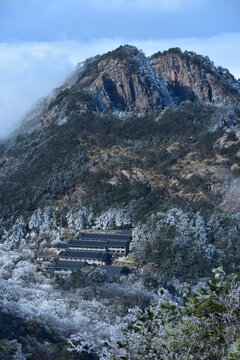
x,y
126,80
193,76
98,154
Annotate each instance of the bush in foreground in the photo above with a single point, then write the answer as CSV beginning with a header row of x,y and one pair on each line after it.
x,y
205,326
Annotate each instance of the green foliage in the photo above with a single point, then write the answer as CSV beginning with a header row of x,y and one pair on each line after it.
x,y
223,76
190,57
59,98
206,327
234,351
87,276
231,136
195,182
54,162
122,53
231,152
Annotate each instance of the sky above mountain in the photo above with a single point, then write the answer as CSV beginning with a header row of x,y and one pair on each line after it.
x,y
41,41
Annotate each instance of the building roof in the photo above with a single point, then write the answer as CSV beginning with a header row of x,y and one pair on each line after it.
x,y
87,243
44,256
62,246
112,243
106,236
98,244
71,265
81,255
126,231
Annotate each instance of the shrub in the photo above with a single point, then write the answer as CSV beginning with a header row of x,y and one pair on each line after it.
x,y
206,327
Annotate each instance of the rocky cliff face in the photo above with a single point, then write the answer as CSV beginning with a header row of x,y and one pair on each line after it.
x,y
191,76
82,146
126,80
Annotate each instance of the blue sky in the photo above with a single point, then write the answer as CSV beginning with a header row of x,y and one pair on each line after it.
x,y
41,41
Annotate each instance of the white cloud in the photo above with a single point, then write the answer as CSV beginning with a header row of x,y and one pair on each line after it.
x,y
31,70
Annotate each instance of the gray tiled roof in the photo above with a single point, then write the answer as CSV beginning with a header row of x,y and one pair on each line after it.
x,y
98,244
87,243
62,246
81,255
96,236
112,243
74,265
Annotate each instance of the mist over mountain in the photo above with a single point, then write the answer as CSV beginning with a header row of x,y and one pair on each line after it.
x,y
150,144
126,80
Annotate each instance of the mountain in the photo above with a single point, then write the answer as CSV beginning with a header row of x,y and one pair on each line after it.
x,y
126,80
122,80
191,76
125,138
151,144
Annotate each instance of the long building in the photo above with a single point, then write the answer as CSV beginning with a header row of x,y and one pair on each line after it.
x,y
65,268
115,247
91,257
86,245
106,236
60,247
92,248
116,244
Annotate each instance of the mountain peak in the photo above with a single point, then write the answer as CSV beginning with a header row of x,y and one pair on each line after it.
x,y
125,79
123,52
192,76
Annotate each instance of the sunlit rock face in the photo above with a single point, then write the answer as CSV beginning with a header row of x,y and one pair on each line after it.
x,y
126,80
191,76
123,79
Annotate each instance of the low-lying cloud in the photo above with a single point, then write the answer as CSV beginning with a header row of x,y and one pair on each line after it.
x,y
30,70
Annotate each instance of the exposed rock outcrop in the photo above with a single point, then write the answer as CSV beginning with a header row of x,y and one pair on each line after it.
x,y
191,76
126,80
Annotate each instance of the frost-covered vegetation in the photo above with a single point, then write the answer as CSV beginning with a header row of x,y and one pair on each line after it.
x,y
47,314
86,312
102,161
101,171
204,63
206,326
186,245
171,175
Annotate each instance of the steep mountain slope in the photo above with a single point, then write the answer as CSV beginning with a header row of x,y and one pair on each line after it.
x,y
191,76
127,141
110,141
125,80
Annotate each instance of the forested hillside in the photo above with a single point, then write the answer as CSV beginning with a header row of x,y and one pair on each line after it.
x,y
148,144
